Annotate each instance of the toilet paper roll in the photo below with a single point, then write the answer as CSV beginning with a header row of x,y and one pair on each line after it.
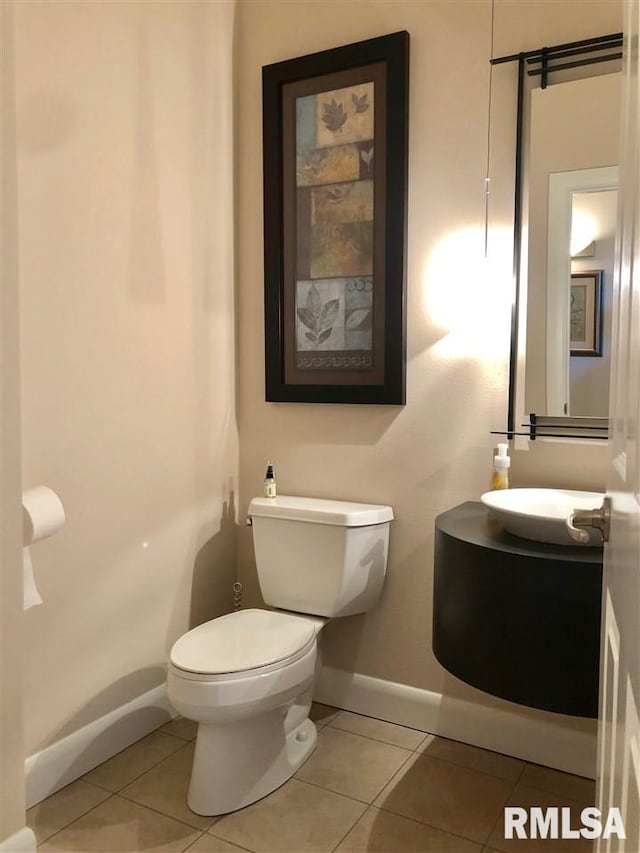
x,y
42,514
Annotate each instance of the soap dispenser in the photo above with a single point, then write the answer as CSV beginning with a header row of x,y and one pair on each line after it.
x,y
501,464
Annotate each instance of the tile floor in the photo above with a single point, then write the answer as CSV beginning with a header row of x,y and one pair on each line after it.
x,y
369,786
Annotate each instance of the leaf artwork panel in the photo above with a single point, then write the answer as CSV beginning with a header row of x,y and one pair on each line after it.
x,y
334,314
345,115
320,315
361,104
335,210
329,165
333,115
344,202
366,158
341,249
359,314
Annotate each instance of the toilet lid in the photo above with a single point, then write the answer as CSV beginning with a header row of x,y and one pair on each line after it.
x,y
247,639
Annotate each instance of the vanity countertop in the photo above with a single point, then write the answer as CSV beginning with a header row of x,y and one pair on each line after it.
x,y
471,523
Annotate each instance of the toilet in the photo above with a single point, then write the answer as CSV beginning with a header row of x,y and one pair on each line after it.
x,y
247,678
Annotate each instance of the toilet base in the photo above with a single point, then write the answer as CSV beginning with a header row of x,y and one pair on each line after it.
x,y
236,764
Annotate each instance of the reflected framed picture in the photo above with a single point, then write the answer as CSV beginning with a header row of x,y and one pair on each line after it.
x,y
335,133
586,313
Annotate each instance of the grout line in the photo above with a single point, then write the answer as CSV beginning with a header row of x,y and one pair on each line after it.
x,y
426,735
220,838
351,828
331,790
431,826
473,769
501,815
183,744
160,812
582,803
86,811
417,750
379,739
79,817
210,834
172,734
133,802
440,829
561,772
535,788
555,793
377,719
366,737
391,778
186,849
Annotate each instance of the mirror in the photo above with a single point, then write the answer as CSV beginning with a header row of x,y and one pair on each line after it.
x,y
565,203
572,181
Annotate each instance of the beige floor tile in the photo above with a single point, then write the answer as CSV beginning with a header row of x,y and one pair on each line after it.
x,y
322,714
526,798
382,832
61,808
118,825
352,765
209,844
297,817
452,798
472,757
134,761
378,730
180,727
164,788
565,784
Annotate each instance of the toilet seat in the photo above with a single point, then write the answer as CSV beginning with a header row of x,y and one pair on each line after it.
x,y
242,644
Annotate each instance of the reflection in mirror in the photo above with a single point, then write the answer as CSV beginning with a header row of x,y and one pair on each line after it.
x,y
590,307
572,180
582,217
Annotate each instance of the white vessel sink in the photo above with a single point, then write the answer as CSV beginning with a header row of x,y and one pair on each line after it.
x,y
541,514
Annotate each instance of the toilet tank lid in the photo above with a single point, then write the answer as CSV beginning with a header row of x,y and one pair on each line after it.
x,y
320,511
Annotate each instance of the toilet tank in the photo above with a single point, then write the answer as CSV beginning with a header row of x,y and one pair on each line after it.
x,y
328,558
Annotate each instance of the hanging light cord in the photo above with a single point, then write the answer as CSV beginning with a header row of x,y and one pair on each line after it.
x,y
487,180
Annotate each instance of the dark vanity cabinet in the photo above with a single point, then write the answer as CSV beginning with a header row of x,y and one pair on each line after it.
x,y
516,618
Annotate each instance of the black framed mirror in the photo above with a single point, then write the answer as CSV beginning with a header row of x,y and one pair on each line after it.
x,y
565,188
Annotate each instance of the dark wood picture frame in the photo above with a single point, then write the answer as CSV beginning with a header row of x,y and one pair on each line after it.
x,y
335,146
586,313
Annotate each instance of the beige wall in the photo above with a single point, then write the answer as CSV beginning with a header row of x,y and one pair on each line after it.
x,y
128,384
12,799
436,451
128,395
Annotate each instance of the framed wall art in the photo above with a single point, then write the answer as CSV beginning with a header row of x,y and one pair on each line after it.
x,y
335,132
586,313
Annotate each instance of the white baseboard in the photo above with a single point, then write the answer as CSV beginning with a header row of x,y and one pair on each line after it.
x,y
552,742
73,756
22,841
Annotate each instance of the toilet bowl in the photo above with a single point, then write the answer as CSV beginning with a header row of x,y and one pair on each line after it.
x,y
246,678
